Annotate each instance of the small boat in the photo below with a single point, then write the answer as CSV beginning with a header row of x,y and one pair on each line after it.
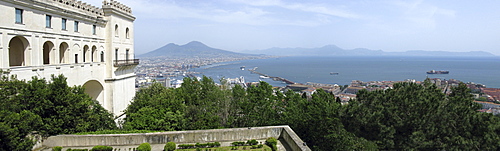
x,y
242,67
334,73
263,77
437,72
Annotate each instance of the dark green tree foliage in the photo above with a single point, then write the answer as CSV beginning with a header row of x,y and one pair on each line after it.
x,y
238,98
203,100
413,116
317,121
14,127
409,116
259,107
155,108
47,107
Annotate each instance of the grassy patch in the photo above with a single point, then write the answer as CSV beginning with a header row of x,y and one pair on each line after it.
x,y
229,148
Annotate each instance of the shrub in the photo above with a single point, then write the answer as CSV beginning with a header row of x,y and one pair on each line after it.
x,y
214,144
170,146
272,142
252,142
199,145
144,147
101,148
57,148
186,146
238,143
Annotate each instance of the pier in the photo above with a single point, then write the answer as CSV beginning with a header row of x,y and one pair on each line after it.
x,y
274,78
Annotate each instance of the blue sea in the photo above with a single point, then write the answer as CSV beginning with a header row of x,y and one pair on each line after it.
x,y
483,70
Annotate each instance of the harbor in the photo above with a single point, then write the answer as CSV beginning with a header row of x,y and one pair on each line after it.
x,y
262,75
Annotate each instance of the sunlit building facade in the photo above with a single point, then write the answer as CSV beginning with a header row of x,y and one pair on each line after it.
x,y
91,46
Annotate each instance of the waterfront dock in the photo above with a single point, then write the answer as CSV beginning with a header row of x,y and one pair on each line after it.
x,y
274,78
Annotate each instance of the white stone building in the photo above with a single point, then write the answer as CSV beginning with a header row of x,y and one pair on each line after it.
x,y
91,46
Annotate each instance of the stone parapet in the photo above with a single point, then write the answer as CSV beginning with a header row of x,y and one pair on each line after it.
x,y
283,133
117,5
79,5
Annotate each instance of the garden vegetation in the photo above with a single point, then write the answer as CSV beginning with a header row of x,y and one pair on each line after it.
x,y
408,117
46,108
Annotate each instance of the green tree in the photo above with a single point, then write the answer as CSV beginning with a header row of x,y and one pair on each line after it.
x,y
413,116
203,100
155,108
14,127
238,97
49,108
260,107
317,122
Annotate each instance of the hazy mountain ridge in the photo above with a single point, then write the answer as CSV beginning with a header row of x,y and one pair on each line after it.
x,y
198,49
332,50
192,49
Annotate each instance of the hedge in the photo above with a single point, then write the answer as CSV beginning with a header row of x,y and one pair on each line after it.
x,y
57,148
102,148
199,145
144,147
69,149
272,142
170,146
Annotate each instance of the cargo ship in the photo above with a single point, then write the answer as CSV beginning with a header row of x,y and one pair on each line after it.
x,y
437,72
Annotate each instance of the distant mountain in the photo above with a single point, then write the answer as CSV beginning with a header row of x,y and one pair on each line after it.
x,y
191,49
332,50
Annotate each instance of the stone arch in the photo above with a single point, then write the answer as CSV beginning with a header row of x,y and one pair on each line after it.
x,y
94,54
86,53
64,52
17,51
48,53
95,90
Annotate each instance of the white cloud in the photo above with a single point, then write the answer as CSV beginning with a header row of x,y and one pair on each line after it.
x,y
325,9
423,14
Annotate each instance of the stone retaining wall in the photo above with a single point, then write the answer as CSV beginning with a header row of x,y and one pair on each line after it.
x,y
181,137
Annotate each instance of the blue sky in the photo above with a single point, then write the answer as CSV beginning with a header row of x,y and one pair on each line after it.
x,y
389,25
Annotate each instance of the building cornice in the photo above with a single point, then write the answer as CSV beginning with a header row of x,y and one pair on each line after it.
x,y
115,7
68,8
23,33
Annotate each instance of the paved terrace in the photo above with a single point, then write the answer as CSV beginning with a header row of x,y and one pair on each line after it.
x,y
288,140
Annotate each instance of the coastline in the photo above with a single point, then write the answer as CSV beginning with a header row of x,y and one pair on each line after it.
x,y
306,73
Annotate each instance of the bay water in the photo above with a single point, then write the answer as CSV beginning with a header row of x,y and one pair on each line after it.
x,y
483,70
